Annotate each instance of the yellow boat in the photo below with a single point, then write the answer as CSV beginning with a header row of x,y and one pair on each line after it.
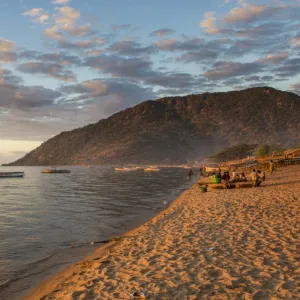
x,y
125,169
151,169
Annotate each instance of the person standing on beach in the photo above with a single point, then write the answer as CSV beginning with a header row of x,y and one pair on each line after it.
x,y
271,167
190,173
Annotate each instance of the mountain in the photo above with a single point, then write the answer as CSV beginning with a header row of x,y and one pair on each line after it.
x,y
177,129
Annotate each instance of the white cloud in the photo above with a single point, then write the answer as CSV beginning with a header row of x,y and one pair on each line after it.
x,y
209,23
61,2
34,12
246,12
38,15
6,45
67,16
53,33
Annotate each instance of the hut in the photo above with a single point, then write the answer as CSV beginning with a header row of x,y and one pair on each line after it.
x,y
292,153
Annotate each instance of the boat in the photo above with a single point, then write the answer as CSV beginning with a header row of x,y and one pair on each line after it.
x,y
11,174
50,171
151,169
125,169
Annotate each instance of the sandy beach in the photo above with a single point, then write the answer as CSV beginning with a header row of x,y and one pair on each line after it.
x,y
223,244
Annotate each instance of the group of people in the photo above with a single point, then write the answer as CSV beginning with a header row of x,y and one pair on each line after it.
x,y
256,176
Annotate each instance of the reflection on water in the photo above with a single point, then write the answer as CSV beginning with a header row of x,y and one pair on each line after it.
x,y
49,220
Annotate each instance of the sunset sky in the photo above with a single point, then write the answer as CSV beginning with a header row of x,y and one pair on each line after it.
x,y
68,63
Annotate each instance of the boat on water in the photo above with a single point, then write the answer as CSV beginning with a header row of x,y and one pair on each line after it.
x,y
125,169
152,169
50,171
12,174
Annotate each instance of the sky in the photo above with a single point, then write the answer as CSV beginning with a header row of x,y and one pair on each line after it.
x,y
68,63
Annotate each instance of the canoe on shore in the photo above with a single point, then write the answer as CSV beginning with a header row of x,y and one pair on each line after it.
x,y
12,174
51,171
237,185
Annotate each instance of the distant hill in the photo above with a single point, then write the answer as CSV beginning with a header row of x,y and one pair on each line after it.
x,y
177,129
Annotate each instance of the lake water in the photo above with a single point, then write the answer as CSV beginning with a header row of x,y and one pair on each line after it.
x,y
49,220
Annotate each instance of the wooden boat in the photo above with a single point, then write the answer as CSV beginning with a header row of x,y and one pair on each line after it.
x,y
50,171
151,169
125,169
12,174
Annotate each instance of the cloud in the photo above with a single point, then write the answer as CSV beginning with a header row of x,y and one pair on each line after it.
x,y
209,23
54,70
38,15
162,32
80,45
53,33
275,58
222,70
78,30
108,95
57,57
131,48
7,53
14,95
61,2
6,45
201,56
289,68
167,44
34,12
120,66
247,12
295,41
66,24
66,16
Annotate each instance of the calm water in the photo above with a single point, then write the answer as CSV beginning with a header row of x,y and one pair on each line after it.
x,y
50,220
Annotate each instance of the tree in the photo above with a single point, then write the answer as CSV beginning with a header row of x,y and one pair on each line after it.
x,y
263,150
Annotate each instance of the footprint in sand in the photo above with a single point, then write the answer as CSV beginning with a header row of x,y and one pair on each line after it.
x,y
215,273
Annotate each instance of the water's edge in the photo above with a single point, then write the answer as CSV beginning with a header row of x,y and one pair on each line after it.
x,y
133,226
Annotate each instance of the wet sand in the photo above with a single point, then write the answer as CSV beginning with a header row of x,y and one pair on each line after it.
x,y
223,244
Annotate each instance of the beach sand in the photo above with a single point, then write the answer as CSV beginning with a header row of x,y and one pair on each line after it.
x,y
223,244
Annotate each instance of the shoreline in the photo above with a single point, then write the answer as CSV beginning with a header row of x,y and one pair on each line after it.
x,y
50,282
215,245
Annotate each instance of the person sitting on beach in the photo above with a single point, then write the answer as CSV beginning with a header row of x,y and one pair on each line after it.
x,y
235,177
254,177
261,177
226,178
243,177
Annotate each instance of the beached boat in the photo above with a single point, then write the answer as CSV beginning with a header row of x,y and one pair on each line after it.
x,y
50,171
11,174
151,169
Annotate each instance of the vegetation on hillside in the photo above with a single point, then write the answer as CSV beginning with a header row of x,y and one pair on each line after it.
x,y
233,153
